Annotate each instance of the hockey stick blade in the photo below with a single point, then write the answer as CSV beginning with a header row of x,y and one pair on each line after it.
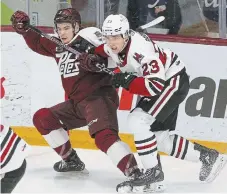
x,y
66,47
152,23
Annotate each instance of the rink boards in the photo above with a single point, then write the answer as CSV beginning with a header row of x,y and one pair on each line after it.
x,y
32,81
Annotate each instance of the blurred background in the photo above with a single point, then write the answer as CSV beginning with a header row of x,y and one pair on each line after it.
x,y
197,18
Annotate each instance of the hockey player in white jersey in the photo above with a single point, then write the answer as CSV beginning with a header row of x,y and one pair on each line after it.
x,y
13,162
160,77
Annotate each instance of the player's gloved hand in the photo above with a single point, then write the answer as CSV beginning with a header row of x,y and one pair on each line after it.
x,y
20,22
122,80
92,62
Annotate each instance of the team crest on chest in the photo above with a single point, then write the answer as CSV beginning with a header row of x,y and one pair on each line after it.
x,y
68,66
138,57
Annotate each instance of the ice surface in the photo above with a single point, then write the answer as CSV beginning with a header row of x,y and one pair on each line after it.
x,y
180,176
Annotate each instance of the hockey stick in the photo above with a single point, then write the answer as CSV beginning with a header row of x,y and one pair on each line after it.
x,y
55,40
152,23
66,47
72,50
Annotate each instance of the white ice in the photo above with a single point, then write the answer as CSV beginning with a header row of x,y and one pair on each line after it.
x,y
180,176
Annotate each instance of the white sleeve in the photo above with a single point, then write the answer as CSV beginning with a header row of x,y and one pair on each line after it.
x,y
13,150
93,35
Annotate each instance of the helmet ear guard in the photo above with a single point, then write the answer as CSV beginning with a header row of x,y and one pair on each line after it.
x,y
76,28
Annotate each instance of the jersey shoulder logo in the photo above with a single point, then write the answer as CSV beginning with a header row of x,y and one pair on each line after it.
x,y
138,57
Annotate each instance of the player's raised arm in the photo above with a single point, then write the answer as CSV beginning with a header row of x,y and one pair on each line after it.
x,y
20,22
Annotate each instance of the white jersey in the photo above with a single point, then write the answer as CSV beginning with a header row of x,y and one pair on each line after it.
x,y
145,59
12,153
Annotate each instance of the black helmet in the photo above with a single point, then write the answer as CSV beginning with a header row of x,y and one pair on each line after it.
x,y
70,15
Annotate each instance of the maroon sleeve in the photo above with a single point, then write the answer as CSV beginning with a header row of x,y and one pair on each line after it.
x,y
40,44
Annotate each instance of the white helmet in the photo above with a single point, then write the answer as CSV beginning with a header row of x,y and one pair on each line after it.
x,y
115,25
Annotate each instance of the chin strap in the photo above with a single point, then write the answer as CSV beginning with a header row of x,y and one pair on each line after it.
x,y
126,42
75,33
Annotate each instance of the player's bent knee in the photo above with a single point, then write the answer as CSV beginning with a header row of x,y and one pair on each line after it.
x,y
139,120
45,121
105,138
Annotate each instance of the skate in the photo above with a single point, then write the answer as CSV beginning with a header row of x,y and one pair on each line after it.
x,y
212,163
150,181
71,164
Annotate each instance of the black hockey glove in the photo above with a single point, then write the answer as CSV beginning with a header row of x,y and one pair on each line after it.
x,y
122,80
20,22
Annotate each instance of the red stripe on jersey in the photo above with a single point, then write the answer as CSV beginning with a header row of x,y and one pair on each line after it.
x,y
157,84
117,70
100,51
138,86
165,96
146,146
1,127
180,147
162,57
162,54
9,145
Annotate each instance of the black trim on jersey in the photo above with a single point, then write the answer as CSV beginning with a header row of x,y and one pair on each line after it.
x,y
6,139
174,60
11,152
145,140
81,44
185,150
151,85
148,152
158,80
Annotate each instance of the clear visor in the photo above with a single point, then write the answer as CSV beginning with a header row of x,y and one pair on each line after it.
x,y
112,32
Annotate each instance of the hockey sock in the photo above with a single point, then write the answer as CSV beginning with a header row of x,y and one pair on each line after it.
x,y
51,129
146,146
177,146
119,152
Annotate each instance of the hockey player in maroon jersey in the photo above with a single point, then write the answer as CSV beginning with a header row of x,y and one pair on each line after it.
x,y
93,101
12,159
160,77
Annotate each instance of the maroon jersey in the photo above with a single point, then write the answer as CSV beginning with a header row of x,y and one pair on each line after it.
x,y
77,82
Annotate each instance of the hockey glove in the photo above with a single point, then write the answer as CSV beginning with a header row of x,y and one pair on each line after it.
x,y
92,62
20,22
123,80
